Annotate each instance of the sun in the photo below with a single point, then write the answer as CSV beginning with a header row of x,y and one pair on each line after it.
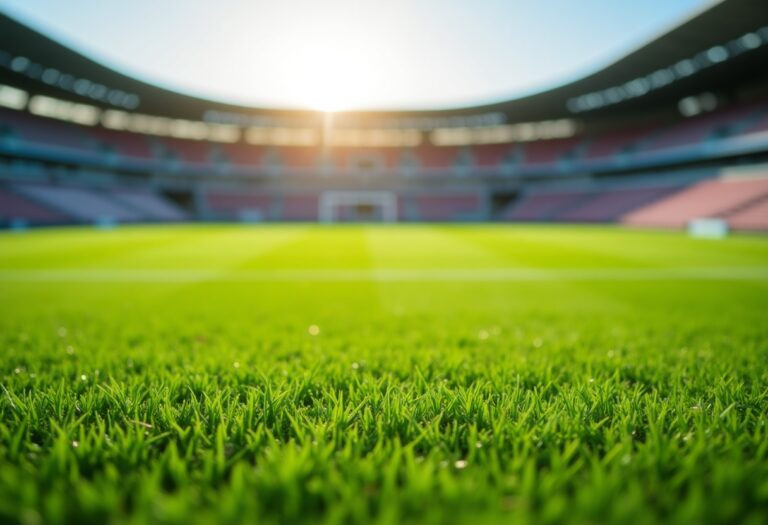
x,y
337,81
331,71
329,98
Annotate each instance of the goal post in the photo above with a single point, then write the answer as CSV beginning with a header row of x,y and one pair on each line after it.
x,y
332,203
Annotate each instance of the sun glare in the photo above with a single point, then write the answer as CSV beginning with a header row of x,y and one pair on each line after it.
x,y
336,77
330,70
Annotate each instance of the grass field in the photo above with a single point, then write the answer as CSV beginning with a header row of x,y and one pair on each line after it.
x,y
424,374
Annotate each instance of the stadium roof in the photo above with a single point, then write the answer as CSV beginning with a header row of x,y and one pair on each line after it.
x,y
716,49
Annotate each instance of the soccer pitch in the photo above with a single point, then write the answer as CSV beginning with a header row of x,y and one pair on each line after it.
x,y
374,374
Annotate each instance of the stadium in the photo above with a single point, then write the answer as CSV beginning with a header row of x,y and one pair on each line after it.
x,y
546,309
82,143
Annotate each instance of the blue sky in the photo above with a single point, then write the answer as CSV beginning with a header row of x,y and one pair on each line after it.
x,y
340,54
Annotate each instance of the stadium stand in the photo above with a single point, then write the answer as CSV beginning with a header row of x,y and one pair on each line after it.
x,y
718,198
296,157
752,217
696,130
299,207
242,154
232,205
549,151
611,147
544,205
494,155
760,125
151,207
364,159
434,157
609,204
611,144
448,206
15,209
40,132
51,134
188,151
592,204
126,145
81,204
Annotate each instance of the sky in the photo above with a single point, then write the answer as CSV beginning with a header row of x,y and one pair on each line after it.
x,y
353,54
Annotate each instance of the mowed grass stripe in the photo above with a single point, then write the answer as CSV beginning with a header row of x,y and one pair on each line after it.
x,y
384,274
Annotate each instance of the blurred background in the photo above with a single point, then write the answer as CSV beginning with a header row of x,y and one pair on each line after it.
x,y
649,115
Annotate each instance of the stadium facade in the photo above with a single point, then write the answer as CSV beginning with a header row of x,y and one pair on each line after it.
x,y
674,131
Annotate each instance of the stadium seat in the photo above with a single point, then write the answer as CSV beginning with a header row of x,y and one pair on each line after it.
x,y
79,203
712,198
14,206
751,217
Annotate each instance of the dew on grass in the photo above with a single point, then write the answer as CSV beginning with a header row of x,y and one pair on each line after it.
x,y
460,464
313,330
75,444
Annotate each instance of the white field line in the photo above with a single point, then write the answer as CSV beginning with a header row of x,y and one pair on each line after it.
x,y
83,275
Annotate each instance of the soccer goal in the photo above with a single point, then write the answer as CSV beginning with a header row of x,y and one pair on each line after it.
x,y
358,206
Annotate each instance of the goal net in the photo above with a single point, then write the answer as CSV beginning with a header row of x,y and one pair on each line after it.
x,y
358,206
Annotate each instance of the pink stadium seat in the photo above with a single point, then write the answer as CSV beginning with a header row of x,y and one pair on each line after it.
x,y
492,154
125,144
712,198
300,207
447,206
543,206
752,217
243,154
232,205
189,151
548,151
80,203
436,156
14,206
298,157
46,132
611,143
607,205
149,205
758,126
365,158
695,130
